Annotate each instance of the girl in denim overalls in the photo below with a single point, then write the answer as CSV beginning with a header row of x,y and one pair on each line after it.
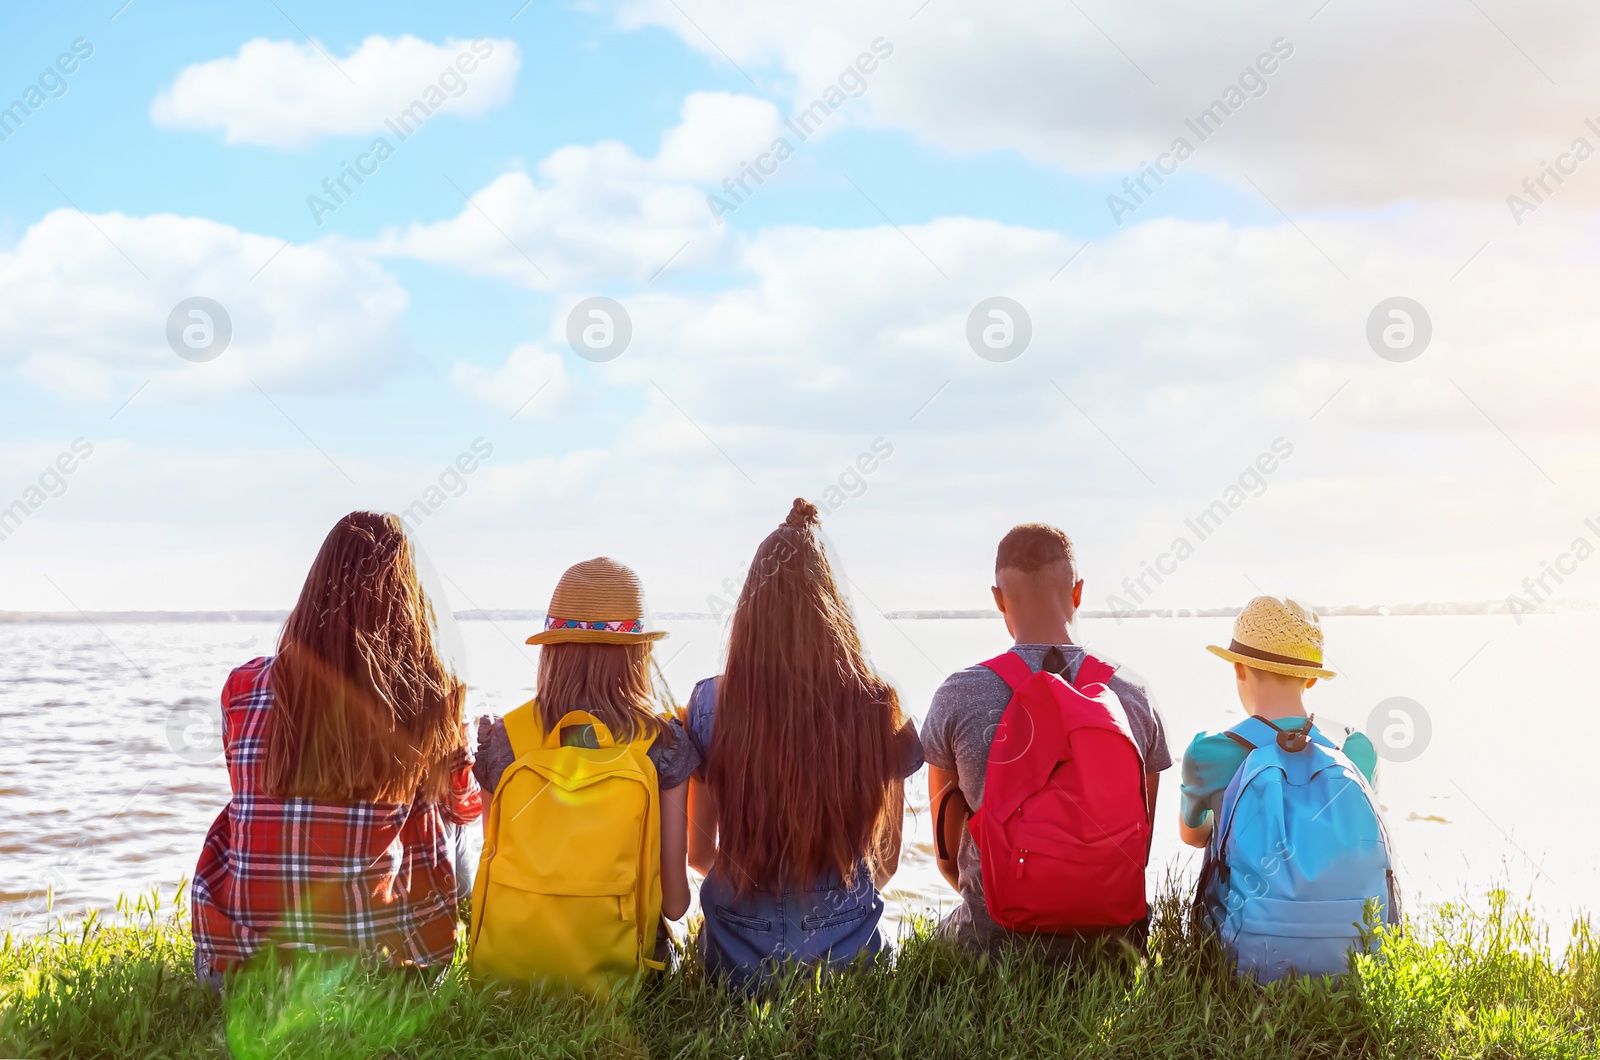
x,y
795,817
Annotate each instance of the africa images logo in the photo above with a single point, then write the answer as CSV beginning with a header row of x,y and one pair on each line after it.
x,y
1253,481
1251,84
851,83
51,84
406,124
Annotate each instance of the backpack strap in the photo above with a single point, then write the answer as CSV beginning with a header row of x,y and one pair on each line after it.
x,y
940,845
526,732
1323,740
602,732
1011,669
1015,672
1254,732
1222,825
1092,671
524,729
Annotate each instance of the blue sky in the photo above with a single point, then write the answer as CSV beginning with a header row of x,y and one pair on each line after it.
x,y
580,81
773,348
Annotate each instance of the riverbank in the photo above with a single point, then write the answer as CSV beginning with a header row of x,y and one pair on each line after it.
x,y
112,765
1459,983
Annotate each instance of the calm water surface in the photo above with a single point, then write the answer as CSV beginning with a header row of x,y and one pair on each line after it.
x,y
111,772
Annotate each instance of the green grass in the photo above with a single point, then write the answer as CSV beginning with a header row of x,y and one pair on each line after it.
x,y
1489,983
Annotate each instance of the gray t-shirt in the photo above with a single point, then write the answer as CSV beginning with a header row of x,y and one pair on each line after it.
x,y
956,736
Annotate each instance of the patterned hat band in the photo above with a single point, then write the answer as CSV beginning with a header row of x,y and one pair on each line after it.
x,y
632,625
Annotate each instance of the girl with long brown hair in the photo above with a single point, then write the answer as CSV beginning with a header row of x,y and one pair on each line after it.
x,y
795,818
350,772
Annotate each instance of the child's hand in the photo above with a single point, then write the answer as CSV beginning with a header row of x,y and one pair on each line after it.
x,y
494,756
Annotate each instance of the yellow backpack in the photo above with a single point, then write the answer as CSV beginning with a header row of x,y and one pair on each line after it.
x,y
569,886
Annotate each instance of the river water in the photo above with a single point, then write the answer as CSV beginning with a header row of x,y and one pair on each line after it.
x,y
111,771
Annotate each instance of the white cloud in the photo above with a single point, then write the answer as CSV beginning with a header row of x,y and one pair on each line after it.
x,y
718,133
1377,103
84,307
1184,349
1187,348
601,212
1164,324
284,94
530,373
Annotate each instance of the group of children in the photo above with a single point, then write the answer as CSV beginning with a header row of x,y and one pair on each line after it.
x,y
781,782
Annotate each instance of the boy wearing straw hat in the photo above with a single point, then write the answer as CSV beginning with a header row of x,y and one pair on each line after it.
x,y
1276,653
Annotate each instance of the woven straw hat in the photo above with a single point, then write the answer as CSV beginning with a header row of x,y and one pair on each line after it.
x,y
598,601
1279,636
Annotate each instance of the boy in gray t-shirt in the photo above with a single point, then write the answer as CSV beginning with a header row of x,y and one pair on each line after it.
x,y
1037,591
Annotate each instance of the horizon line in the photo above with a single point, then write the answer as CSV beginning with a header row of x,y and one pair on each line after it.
x,y
1481,607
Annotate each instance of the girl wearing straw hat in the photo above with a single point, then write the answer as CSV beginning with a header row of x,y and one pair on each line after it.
x,y
595,662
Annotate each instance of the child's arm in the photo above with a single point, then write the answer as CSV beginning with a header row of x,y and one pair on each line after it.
x,y
465,801
674,851
702,827
1208,765
942,783
1195,837
886,859
464,804
1152,787
490,763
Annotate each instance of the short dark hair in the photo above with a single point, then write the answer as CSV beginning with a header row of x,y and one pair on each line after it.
x,y
1034,546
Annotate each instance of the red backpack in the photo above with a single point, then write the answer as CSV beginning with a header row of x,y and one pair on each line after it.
x,y
1063,831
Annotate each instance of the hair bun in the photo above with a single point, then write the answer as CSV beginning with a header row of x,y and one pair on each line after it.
x,y
803,515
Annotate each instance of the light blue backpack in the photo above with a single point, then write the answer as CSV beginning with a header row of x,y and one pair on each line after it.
x,y
1297,852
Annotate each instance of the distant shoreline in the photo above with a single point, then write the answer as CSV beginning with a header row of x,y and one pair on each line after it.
x,y
1479,607
1482,607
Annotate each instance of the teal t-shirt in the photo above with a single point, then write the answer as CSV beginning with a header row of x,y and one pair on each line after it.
x,y
1213,758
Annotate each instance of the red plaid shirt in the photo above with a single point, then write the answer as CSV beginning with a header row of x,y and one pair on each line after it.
x,y
371,877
